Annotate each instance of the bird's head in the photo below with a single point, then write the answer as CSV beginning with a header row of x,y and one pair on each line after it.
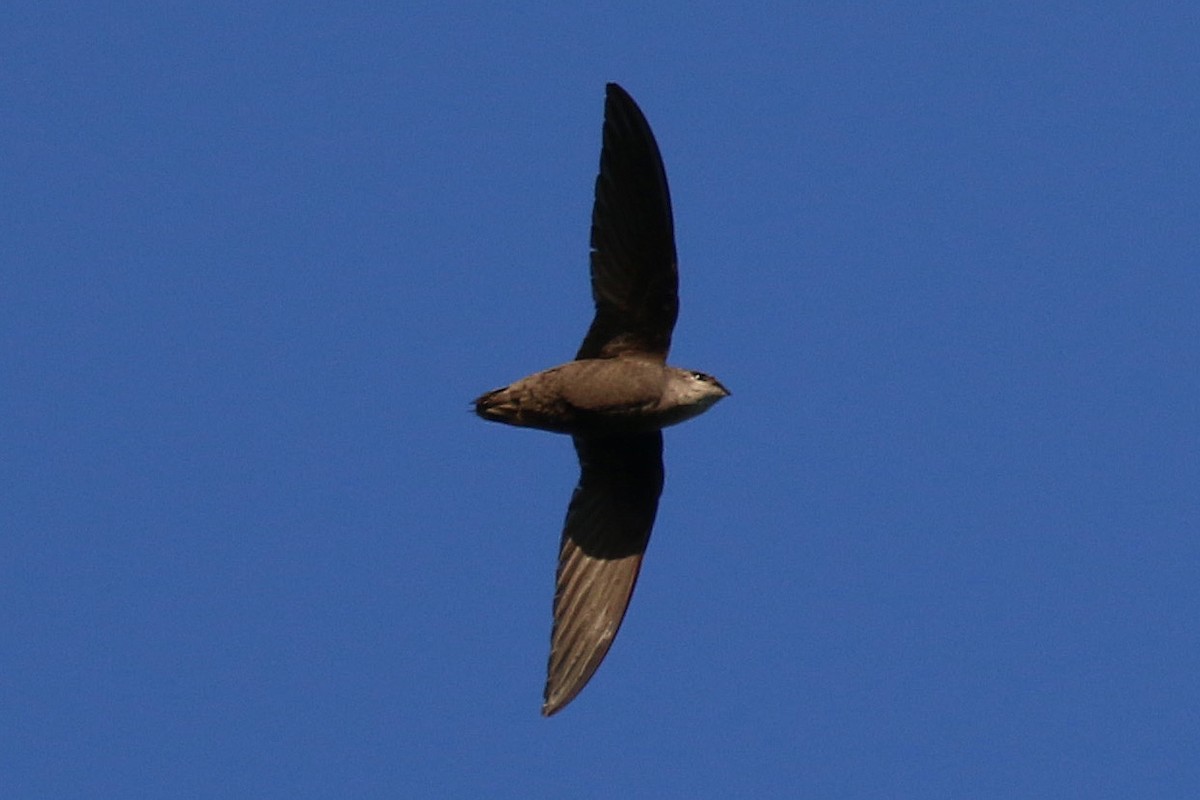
x,y
692,392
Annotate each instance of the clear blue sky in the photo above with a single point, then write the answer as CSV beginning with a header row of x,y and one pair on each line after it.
x,y
941,542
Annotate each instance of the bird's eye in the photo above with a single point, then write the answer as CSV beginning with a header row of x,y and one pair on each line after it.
x,y
700,376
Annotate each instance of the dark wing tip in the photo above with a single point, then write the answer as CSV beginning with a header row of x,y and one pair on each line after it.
x,y
612,88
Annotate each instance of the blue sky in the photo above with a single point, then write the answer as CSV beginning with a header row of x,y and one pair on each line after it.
x,y
940,542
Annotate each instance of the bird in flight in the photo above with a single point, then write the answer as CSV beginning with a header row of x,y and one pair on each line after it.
x,y
613,400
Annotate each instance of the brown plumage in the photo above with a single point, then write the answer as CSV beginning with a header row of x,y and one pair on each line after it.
x,y
613,400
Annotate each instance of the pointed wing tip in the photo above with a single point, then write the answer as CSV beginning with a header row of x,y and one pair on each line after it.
x,y
563,686
614,91
556,700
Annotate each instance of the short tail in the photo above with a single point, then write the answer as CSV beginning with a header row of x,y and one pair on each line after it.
x,y
496,406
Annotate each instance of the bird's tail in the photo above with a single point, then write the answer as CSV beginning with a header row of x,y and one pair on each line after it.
x,y
498,405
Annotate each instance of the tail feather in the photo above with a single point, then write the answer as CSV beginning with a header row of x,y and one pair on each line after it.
x,y
497,405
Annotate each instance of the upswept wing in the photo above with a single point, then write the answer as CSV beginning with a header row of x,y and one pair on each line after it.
x,y
635,281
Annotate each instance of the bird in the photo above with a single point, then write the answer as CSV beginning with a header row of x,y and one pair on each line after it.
x,y
613,399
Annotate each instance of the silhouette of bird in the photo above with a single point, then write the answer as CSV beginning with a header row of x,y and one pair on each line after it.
x,y
613,400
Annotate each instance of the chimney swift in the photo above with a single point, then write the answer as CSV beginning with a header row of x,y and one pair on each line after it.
x,y
613,400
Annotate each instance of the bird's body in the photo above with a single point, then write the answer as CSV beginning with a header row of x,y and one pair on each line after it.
x,y
598,396
613,400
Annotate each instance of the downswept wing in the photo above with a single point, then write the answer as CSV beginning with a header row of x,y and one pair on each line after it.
x,y
635,280
607,527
